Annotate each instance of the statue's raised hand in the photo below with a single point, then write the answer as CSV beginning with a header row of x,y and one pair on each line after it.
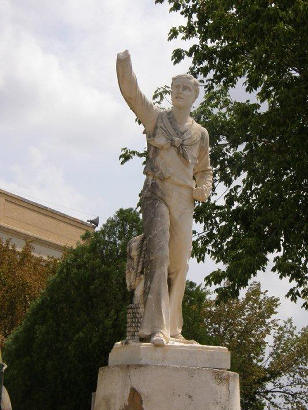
x,y
137,101
124,54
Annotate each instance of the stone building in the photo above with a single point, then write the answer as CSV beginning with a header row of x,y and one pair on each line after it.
x,y
48,231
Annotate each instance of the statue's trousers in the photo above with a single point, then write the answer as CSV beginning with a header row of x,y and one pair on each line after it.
x,y
167,211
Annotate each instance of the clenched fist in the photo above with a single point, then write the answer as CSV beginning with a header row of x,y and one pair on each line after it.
x,y
123,55
201,193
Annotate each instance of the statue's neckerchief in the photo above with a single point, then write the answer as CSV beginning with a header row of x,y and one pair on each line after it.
x,y
178,139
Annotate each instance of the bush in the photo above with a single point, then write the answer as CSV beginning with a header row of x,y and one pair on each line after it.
x,y
54,356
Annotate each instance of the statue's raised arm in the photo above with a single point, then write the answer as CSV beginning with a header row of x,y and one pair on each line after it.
x,y
136,100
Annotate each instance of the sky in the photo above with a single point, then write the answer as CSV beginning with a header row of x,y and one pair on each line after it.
x,y
63,121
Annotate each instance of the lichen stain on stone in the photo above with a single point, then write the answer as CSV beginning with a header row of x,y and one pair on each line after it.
x,y
221,378
134,401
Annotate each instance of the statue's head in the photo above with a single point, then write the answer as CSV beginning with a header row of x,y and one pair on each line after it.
x,y
184,90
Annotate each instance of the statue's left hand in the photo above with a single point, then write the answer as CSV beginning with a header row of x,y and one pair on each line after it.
x,y
201,193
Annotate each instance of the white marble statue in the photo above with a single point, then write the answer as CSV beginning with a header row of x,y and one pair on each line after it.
x,y
5,400
177,172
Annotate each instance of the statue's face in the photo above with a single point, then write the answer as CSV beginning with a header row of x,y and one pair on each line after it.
x,y
182,93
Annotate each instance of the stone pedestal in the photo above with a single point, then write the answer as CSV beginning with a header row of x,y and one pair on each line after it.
x,y
176,354
173,377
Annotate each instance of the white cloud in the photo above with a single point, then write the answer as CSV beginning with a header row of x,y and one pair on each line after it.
x,y
41,181
58,84
59,93
39,99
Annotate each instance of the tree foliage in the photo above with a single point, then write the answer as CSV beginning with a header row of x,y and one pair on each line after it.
x,y
272,374
54,356
259,148
23,276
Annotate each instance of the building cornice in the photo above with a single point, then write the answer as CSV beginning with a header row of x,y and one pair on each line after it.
x,y
46,210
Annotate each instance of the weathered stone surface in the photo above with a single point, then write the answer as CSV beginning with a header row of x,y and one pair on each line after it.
x,y
178,171
166,388
170,373
134,401
5,400
134,318
170,355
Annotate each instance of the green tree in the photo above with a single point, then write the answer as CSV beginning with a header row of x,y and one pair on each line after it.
x,y
259,148
272,374
54,356
23,276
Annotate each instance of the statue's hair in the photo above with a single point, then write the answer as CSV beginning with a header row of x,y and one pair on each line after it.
x,y
189,77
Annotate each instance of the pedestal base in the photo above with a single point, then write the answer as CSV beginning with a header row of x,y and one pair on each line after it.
x,y
173,354
144,387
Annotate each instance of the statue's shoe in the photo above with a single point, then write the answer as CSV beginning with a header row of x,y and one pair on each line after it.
x,y
179,338
158,339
